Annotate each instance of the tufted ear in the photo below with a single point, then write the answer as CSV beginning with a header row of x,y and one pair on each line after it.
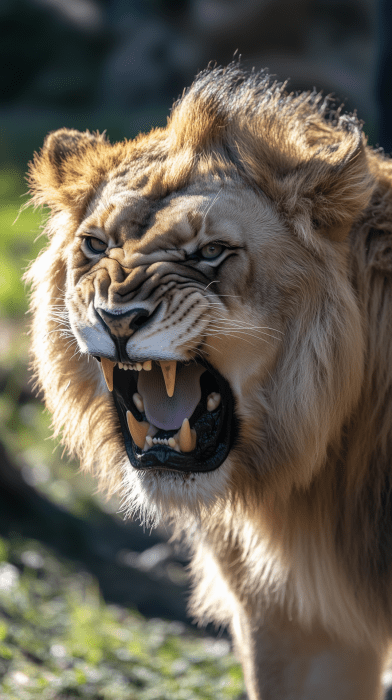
x,y
61,173
316,172
335,183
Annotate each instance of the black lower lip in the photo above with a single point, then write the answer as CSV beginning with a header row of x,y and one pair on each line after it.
x,y
217,432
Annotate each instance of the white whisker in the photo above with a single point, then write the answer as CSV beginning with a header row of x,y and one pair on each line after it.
x,y
232,335
213,281
211,204
237,296
240,333
243,324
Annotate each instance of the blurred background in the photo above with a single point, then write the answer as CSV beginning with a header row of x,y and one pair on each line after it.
x,y
91,606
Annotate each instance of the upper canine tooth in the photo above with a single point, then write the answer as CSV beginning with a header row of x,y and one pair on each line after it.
x,y
187,437
138,430
107,369
168,368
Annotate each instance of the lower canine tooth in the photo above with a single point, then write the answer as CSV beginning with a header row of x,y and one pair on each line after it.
x,y
187,437
152,430
138,430
138,401
107,369
171,442
213,401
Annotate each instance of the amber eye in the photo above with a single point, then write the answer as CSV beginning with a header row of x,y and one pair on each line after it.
x,y
95,245
211,251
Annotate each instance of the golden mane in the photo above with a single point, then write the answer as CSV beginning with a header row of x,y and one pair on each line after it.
x,y
298,530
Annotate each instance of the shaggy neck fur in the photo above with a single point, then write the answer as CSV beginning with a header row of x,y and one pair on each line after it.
x,y
323,553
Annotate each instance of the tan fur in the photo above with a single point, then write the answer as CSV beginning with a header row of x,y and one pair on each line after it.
x,y
292,533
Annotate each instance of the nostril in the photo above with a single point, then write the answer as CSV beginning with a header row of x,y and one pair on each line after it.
x,y
140,318
124,324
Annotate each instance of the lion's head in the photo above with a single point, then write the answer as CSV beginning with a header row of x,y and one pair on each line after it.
x,y
202,271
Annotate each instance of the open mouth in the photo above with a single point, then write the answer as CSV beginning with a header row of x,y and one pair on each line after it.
x,y
174,416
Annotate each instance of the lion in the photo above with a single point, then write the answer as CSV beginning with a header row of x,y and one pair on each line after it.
x,y
211,329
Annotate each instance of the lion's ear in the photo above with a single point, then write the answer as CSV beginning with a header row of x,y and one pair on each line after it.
x,y
315,171
61,144
57,175
335,184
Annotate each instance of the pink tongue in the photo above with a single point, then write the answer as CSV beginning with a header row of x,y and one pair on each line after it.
x,y
162,410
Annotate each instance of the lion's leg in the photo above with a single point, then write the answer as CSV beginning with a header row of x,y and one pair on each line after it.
x,y
281,662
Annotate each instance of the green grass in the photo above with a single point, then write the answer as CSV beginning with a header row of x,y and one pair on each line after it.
x,y
58,639
19,229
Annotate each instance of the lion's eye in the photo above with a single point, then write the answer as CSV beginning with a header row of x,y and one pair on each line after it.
x,y
211,251
95,245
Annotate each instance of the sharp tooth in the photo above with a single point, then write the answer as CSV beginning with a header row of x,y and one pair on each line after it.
x,y
139,366
187,437
149,440
168,368
152,430
213,401
107,369
147,365
138,401
137,430
171,442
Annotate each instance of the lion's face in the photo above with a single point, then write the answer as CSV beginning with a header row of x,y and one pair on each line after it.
x,y
206,267
179,301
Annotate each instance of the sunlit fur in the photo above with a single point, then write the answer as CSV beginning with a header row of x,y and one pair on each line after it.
x,y
292,534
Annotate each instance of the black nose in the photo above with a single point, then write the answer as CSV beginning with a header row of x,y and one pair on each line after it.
x,y
124,325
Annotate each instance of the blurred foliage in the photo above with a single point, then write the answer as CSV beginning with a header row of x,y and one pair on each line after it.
x,y
19,230
58,639
47,57
24,425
